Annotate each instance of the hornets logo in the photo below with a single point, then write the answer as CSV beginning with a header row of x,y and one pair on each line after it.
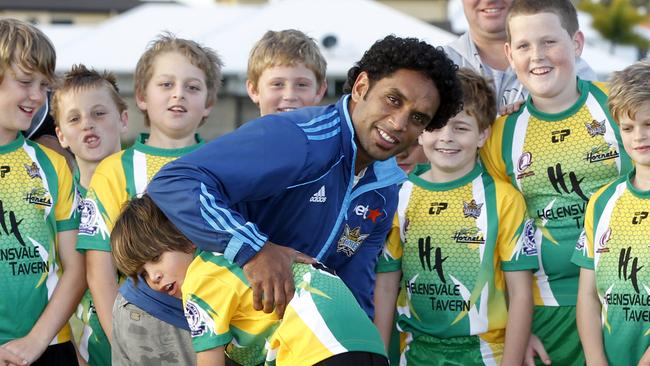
x,y
350,240
472,209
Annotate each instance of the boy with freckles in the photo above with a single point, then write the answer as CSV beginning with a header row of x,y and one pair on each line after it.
x,y
558,149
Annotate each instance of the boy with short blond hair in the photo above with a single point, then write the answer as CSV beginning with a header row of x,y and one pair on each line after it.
x,y
286,70
323,324
613,248
460,241
176,85
562,114
39,268
90,115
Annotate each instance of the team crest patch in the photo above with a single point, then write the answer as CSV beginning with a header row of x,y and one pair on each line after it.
x,y
87,217
596,128
602,243
198,320
350,240
472,209
529,247
524,162
39,196
33,171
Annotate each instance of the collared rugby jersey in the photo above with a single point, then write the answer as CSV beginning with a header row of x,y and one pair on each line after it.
x,y
558,161
616,245
117,179
37,202
452,242
322,320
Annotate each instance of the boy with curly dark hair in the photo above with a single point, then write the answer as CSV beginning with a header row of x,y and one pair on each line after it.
x,y
318,180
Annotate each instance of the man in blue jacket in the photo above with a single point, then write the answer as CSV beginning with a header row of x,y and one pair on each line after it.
x,y
319,180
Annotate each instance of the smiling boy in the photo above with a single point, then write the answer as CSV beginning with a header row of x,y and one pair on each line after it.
x,y
562,114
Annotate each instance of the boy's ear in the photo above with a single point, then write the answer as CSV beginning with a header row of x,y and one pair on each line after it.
x,y
483,136
321,92
140,101
360,87
508,50
61,137
579,42
253,93
124,121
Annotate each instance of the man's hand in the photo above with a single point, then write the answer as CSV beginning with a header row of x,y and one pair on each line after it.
x,y
270,276
511,108
535,348
8,358
28,348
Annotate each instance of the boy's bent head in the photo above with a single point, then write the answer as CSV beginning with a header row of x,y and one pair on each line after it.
x,y
203,58
89,113
629,90
142,236
285,71
26,47
563,9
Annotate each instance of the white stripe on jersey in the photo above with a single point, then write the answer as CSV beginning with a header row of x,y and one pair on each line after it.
x,y
603,224
518,140
542,282
404,199
309,314
487,353
139,173
478,194
477,317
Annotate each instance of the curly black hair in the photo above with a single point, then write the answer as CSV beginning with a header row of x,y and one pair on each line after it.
x,y
393,53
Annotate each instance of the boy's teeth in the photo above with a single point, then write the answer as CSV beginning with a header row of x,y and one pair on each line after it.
x,y
26,109
385,136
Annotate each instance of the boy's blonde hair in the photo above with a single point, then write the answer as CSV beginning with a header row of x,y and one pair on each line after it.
x,y
25,46
200,56
142,232
629,89
562,8
285,48
80,78
478,97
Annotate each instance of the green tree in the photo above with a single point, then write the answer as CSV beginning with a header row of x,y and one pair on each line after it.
x,y
615,21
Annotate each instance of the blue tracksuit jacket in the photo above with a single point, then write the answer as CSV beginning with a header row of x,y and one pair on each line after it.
x,y
289,179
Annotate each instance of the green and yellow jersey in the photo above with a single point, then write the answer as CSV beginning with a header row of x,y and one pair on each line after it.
x,y
615,245
322,320
117,179
37,202
558,161
452,241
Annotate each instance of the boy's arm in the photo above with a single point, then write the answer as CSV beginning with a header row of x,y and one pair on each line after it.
x,y
520,314
588,311
212,357
645,360
386,289
102,282
61,305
